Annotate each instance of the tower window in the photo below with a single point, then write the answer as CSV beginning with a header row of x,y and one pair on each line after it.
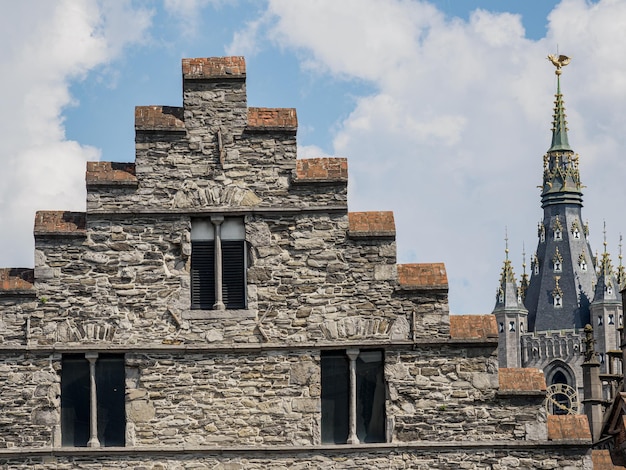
x,y
215,284
521,327
557,301
557,266
611,319
358,374
501,327
558,235
512,326
600,322
93,400
576,234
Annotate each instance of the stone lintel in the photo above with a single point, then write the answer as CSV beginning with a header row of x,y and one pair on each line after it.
x,y
60,223
214,68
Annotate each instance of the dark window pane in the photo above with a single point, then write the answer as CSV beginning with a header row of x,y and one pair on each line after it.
x,y
202,275
370,397
335,397
110,387
74,400
233,273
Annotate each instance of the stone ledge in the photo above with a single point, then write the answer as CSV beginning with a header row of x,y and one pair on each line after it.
x,y
221,211
205,348
211,68
442,446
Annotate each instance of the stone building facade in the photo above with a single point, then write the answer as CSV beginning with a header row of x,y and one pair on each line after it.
x,y
218,307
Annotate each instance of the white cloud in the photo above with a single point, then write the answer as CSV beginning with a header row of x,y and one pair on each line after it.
x,y
49,44
188,13
453,137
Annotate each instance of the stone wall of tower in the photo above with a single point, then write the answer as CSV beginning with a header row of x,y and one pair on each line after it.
x,y
241,388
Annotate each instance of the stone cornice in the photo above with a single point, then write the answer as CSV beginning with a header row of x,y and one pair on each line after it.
x,y
243,348
443,446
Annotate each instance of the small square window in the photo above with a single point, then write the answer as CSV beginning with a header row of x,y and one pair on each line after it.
x,y
214,286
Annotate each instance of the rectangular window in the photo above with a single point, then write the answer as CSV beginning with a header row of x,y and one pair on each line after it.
x,y
218,264
342,396
108,427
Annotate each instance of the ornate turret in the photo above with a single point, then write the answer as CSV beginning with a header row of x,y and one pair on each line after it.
x,y
561,178
511,315
563,272
606,306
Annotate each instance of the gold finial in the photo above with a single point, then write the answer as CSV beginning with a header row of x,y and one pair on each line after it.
x,y
559,62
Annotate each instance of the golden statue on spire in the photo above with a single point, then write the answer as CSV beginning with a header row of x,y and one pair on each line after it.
x,y
559,62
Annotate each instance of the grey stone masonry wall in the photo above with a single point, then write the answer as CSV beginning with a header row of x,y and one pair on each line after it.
x,y
241,388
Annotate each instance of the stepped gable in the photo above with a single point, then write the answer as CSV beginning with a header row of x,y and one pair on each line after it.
x,y
228,317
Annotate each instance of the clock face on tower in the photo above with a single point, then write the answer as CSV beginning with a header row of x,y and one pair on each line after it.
x,y
561,399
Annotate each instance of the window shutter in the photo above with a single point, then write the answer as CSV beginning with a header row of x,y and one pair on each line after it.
x,y
202,274
234,273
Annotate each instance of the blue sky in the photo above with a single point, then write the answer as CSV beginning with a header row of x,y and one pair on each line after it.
x,y
443,108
